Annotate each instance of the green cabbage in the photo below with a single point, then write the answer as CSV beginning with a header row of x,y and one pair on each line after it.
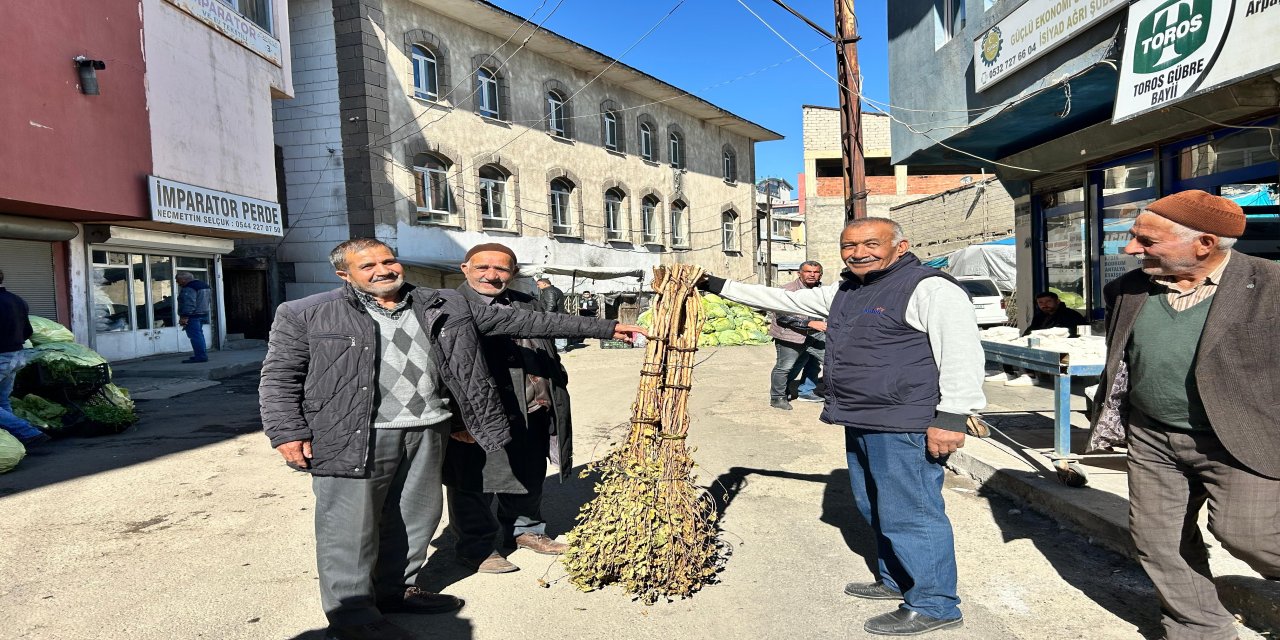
x,y
721,324
713,298
38,411
69,352
708,340
729,338
46,331
11,452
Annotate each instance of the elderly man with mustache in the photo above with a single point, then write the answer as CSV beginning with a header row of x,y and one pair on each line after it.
x,y
904,370
362,387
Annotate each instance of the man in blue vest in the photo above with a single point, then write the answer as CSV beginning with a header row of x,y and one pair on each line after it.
x,y
904,374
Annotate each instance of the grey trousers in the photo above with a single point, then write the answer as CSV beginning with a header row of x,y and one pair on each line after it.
x,y
372,534
1172,474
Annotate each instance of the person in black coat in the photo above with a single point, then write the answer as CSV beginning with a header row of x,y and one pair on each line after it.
x,y
552,299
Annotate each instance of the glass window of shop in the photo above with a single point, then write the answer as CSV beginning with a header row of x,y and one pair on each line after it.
x,y
138,291
1066,238
1126,187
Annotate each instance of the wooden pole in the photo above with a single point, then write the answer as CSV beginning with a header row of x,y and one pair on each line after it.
x,y
855,177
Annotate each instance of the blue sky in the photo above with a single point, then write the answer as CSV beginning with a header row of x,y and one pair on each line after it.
x,y
708,42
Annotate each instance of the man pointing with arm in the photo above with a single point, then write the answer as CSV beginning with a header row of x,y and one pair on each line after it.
x,y
904,373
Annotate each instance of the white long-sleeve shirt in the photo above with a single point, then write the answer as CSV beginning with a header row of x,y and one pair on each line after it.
x,y
937,307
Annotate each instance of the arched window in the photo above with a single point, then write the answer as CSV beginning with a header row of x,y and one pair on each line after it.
x,y
557,122
730,161
561,212
426,74
611,137
679,225
487,98
675,149
431,181
494,212
646,141
613,223
649,220
729,230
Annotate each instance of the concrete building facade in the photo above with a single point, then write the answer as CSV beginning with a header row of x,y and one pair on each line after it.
x,y
436,126
137,145
973,213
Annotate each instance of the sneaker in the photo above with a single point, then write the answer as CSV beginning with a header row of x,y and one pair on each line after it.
x,y
539,543
1024,380
809,397
780,403
997,377
905,622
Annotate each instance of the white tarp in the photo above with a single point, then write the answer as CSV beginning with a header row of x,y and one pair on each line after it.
x,y
996,261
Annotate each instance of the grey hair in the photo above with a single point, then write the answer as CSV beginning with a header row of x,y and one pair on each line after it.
x,y
184,275
898,234
1187,234
338,257
812,263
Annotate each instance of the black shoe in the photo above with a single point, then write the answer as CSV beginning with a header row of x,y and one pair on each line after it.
x,y
416,600
36,440
194,360
780,403
871,591
905,622
380,630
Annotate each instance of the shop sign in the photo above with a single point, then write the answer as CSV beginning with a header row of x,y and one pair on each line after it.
x,y
1176,49
1030,31
227,21
194,206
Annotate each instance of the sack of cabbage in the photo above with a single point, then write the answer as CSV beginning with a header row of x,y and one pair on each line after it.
x,y
727,323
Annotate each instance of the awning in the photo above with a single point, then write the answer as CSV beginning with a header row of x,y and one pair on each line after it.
x,y
580,271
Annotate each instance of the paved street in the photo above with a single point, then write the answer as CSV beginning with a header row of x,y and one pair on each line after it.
x,y
188,526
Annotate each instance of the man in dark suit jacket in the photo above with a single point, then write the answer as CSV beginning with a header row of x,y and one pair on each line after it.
x,y
534,392
1192,377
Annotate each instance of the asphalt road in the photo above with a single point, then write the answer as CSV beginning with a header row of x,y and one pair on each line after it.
x,y
189,526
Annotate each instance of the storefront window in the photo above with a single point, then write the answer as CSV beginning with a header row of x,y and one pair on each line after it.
x,y
164,307
112,285
1126,190
1066,238
1236,150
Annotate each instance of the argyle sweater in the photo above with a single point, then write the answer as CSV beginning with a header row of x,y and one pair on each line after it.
x,y
407,393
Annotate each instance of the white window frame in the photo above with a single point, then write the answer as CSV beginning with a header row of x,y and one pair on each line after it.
x,y
561,209
236,5
679,237
610,131
949,20
426,74
729,230
613,216
556,123
730,168
646,141
648,221
424,179
675,150
493,204
489,96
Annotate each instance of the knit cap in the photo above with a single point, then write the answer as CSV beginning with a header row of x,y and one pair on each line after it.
x,y
1203,212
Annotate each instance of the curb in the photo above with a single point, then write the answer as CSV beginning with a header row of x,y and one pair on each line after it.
x,y
1254,600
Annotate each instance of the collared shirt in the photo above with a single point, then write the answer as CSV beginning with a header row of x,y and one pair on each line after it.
x,y
372,304
1183,299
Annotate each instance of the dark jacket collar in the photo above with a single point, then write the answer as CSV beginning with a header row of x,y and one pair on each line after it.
x,y
424,296
907,260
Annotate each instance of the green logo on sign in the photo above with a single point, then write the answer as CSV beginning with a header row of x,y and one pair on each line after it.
x,y
1170,34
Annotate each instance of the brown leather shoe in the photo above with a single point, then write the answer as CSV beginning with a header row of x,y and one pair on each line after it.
x,y
539,543
495,563
416,600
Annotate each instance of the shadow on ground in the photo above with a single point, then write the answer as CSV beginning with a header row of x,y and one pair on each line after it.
x,y
168,426
441,626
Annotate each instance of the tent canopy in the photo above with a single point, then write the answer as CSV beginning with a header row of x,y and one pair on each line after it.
x,y
581,271
996,261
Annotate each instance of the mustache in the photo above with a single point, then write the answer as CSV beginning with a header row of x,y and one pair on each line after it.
x,y
861,260
386,278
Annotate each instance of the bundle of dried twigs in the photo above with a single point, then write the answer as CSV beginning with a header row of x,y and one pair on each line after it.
x,y
649,528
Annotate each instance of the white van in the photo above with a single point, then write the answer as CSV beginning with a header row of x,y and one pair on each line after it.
x,y
988,302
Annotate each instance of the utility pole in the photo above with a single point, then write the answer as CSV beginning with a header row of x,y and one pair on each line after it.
x,y
768,235
855,175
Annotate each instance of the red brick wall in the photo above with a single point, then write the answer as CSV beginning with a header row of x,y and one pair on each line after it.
x,y
888,185
882,185
830,187
931,184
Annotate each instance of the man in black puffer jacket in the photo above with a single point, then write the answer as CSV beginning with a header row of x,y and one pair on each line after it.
x,y
361,387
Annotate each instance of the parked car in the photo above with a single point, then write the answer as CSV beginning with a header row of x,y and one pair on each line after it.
x,y
988,302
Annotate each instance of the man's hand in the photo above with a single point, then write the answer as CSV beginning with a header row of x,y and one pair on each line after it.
x,y
296,453
182,321
942,443
462,436
628,332
818,325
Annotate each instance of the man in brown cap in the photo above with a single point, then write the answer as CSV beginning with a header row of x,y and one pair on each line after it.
x,y
1190,387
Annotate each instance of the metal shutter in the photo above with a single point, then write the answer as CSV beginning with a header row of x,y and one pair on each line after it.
x,y
28,272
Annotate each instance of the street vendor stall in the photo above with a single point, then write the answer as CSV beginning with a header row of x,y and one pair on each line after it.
x,y
1064,359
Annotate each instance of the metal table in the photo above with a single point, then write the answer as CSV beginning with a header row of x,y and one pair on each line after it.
x,y
1058,365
